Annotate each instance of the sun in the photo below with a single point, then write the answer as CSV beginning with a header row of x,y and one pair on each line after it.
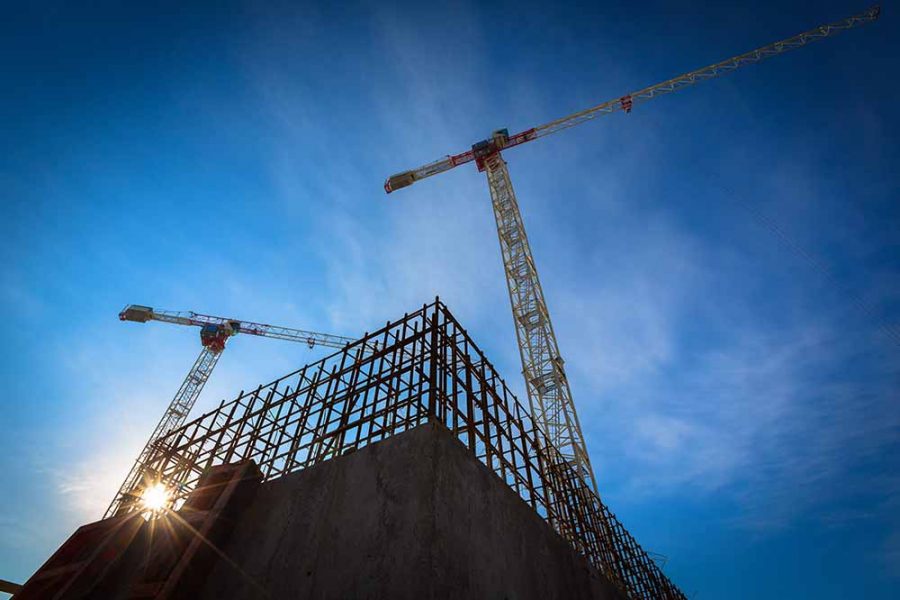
x,y
155,497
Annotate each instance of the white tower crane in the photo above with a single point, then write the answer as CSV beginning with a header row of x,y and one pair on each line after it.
x,y
542,364
214,332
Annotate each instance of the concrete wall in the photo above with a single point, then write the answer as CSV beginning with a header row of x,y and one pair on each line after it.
x,y
414,516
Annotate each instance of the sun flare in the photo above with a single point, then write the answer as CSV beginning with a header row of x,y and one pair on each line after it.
x,y
155,497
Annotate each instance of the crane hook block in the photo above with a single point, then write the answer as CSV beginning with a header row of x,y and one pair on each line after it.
x,y
627,103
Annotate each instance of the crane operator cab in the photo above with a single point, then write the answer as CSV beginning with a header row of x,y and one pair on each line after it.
x,y
492,145
214,336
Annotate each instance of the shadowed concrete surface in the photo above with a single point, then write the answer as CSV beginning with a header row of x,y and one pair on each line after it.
x,y
413,516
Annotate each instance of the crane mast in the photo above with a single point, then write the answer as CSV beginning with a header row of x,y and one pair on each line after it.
x,y
542,364
214,332
173,418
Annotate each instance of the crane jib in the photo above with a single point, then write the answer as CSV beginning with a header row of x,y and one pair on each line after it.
x,y
626,102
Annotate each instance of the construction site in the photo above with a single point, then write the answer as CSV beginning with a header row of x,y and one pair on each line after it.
x,y
401,465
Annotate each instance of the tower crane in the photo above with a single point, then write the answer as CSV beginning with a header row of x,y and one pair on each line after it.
x,y
542,364
214,332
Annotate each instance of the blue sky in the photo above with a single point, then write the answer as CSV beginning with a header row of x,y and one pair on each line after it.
x,y
722,265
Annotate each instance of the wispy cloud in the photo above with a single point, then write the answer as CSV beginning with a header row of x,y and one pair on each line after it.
x,y
779,417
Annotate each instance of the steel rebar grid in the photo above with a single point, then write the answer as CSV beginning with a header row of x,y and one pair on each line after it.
x,y
428,369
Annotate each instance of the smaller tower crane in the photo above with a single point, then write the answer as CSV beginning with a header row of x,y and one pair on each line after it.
x,y
214,332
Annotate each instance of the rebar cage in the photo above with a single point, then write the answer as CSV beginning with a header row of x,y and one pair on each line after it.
x,y
427,368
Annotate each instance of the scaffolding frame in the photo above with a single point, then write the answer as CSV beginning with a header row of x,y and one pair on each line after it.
x,y
427,369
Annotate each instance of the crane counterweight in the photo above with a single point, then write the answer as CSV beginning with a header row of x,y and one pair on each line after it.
x,y
400,180
136,313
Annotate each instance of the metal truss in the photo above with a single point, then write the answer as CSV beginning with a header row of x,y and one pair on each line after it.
x,y
545,379
310,338
174,417
427,369
542,365
214,333
626,102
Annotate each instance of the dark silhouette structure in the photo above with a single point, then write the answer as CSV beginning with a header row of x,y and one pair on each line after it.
x,y
411,471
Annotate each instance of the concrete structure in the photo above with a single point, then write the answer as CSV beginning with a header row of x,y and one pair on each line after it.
x,y
413,516
410,472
